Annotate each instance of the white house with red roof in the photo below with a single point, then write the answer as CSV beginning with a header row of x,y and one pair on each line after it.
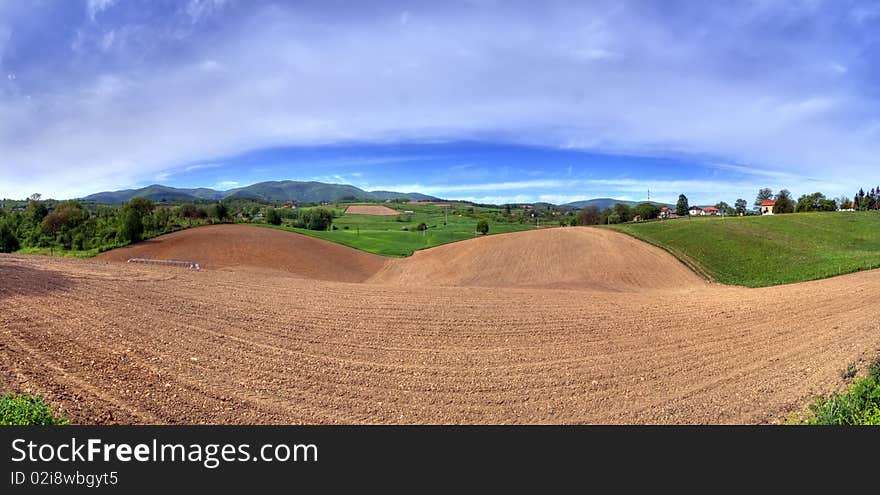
x,y
709,210
667,212
767,206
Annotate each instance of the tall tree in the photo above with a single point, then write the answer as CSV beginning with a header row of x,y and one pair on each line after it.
x,y
132,227
784,203
741,206
588,216
681,208
623,211
764,194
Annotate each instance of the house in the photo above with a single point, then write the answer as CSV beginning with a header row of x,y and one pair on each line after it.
x,y
709,210
667,212
767,206
695,211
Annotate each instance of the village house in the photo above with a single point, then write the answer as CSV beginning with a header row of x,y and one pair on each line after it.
x,y
767,206
667,212
709,210
695,211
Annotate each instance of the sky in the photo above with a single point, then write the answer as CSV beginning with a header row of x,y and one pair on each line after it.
x,y
482,100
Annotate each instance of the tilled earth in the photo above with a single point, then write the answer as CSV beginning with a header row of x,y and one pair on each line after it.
x,y
108,342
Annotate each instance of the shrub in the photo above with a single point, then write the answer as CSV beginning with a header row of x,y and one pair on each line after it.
x,y
25,410
132,227
860,405
317,219
273,217
219,211
79,241
874,369
483,227
849,372
8,241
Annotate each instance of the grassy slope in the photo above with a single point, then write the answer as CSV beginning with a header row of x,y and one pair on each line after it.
x,y
769,250
384,235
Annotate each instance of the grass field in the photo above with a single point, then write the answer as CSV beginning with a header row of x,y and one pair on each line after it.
x,y
769,250
385,235
67,253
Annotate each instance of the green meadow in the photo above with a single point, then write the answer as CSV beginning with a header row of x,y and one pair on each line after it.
x,y
399,235
758,251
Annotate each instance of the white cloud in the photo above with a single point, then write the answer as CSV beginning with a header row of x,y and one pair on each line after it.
x,y
225,184
202,166
95,7
201,9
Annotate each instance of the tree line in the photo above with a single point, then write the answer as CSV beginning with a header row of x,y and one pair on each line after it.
x,y
867,201
72,225
783,200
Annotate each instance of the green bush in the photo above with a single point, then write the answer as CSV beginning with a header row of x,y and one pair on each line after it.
x,y
860,405
273,217
25,410
8,241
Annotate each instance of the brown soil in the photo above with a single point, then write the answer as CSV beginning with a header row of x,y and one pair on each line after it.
x,y
572,257
110,342
371,210
247,248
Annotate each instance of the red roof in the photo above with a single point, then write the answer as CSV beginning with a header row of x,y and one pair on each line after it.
x,y
664,208
710,208
768,202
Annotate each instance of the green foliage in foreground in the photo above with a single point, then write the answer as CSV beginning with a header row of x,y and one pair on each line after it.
x,y
26,410
760,251
860,405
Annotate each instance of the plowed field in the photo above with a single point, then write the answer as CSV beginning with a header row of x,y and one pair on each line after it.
x,y
371,210
571,325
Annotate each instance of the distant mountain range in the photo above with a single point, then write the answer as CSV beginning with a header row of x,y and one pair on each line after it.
x,y
305,192
602,203
285,190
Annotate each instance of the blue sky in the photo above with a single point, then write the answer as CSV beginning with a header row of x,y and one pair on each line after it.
x,y
483,100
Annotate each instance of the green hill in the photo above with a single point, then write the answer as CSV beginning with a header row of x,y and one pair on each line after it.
x,y
769,250
283,190
154,192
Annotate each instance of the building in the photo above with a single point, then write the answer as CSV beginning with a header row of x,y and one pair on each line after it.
x,y
767,206
710,210
695,211
667,212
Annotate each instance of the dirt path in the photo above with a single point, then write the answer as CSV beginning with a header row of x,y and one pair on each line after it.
x,y
110,342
